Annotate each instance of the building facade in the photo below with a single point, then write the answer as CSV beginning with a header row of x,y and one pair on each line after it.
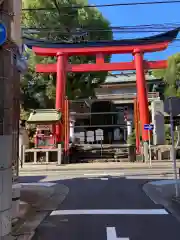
x,y
120,91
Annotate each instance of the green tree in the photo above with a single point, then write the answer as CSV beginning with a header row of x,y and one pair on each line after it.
x,y
171,76
67,25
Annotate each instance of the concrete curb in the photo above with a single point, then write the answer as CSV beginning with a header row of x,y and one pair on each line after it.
x,y
162,192
49,201
39,170
95,166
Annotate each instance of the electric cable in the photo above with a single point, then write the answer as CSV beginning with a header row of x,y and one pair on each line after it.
x,y
103,5
35,31
30,31
135,28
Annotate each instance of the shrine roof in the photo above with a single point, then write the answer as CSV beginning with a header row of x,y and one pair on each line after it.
x,y
159,38
44,116
128,78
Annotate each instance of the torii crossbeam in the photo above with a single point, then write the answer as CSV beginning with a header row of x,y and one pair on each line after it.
x,y
136,47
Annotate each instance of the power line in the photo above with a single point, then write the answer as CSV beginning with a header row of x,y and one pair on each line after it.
x,y
50,30
136,27
114,30
29,33
91,40
35,31
45,34
103,5
128,29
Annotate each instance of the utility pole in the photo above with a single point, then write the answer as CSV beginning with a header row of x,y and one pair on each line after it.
x,y
6,96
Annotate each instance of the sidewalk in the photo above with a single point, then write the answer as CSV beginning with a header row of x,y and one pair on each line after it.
x,y
163,192
95,166
37,200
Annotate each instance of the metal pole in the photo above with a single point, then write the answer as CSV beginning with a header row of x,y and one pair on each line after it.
x,y
150,157
136,120
101,147
173,148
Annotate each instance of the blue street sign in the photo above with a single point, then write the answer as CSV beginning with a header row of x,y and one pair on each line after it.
x,y
149,127
3,34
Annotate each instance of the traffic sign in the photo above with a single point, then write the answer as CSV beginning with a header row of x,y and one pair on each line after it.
x,y
171,106
3,34
149,127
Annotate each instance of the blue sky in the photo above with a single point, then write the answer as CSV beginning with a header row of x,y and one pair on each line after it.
x,y
141,15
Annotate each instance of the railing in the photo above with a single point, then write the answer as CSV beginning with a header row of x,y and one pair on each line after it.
x,y
151,95
36,150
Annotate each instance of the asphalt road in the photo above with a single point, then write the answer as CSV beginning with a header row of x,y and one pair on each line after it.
x,y
114,208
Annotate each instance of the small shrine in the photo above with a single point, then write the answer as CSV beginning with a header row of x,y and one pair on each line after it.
x,y
45,121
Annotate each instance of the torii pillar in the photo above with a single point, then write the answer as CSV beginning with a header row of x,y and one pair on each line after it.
x,y
60,92
142,97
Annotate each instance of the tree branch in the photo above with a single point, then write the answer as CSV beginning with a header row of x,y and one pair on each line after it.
x,y
59,11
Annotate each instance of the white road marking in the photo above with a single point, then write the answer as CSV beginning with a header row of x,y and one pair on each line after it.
x,y
110,212
111,234
95,174
103,179
104,174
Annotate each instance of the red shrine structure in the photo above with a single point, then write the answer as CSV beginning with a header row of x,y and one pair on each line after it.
x,y
136,47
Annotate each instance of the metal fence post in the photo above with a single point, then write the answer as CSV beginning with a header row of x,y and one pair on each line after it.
x,y
23,159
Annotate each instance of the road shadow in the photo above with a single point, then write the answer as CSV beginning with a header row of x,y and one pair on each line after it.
x,y
30,179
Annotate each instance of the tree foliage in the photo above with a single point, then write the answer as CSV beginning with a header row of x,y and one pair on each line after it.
x,y
66,25
171,76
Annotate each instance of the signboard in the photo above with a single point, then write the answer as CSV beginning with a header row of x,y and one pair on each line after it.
x,y
44,127
3,34
149,127
90,136
81,137
171,105
99,135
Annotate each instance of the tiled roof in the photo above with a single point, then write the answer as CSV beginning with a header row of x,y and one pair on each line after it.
x,y
129,77
44,116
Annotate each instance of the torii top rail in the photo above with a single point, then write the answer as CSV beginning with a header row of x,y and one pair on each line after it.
x,y
136,47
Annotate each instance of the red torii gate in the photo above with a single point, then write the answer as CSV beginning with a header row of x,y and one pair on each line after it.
x,y
136,47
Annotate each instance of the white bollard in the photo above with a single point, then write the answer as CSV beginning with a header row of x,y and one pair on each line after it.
x,y
59,154
16,192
